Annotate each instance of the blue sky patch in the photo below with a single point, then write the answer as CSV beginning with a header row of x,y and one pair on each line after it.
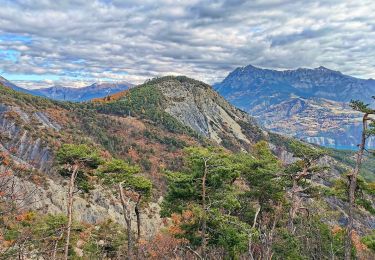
x,y
15,38
30,77
9,55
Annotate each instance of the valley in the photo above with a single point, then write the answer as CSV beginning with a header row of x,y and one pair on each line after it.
x,y
308,104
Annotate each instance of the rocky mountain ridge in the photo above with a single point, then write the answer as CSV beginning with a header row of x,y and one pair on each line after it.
x,y
310,104
198,106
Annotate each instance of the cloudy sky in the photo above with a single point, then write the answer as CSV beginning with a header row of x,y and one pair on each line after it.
x,y
75,42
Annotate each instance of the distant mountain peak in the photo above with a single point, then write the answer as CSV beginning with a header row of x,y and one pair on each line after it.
x,y
282,99
58,92
93,91
251,68
322,68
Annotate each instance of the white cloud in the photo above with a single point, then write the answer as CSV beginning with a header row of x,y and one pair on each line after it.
x,y
135,40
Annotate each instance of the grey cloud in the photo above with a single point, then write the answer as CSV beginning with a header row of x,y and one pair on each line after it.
x,y
204,39
305,34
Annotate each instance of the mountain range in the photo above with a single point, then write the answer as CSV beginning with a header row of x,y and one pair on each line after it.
x,y
61,93
310,104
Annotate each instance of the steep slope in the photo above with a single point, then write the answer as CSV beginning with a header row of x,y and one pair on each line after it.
x,y
304,103
320,121
193,104
142,128
9,84
33,128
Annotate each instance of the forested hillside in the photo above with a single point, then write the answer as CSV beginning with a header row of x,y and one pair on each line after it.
x,y
169,170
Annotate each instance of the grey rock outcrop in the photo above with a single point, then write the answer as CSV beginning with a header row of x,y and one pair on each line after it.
x,y
21,141
198,106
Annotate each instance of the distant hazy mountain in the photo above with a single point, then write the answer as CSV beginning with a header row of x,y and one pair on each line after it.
x,y
9,84
310,104
96,90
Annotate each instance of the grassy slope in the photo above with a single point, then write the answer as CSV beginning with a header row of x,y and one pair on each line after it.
x,y
348,157
153,142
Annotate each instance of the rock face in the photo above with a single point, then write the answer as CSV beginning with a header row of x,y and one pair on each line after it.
x,y
310,104
99,206
198,106
28,148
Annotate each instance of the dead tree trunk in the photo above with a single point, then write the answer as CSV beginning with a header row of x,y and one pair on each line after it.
x,y
55,247
250,242
127,217
352,188
296,200
268,235
137,210
204,220
70,210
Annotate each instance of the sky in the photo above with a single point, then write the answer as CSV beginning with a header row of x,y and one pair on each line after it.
x,y
77,42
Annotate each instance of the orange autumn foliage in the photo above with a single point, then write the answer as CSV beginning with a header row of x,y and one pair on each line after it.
x,y
110,98
336,229
165,244
356,240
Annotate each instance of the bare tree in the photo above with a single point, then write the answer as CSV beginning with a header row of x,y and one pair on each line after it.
x,y
75,159
70,209
137,210
300,170
204,208
368,129
125,202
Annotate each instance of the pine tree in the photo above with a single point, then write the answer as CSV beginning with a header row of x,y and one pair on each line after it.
x,y
206,187
75,160
131,188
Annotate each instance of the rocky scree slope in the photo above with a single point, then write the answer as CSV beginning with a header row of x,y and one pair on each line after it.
x,y
285,101
194,104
